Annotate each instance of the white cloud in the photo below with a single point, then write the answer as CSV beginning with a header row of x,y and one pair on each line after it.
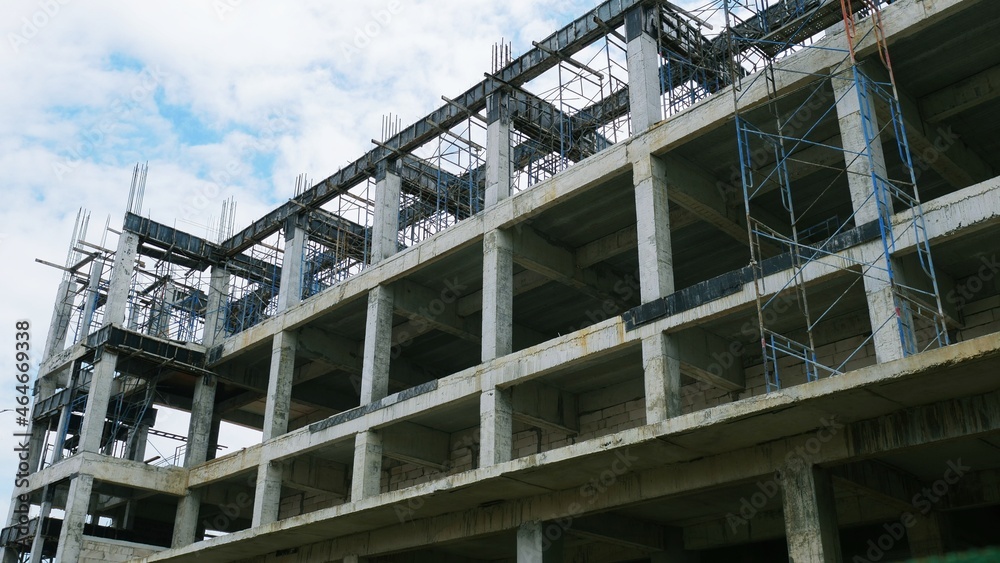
x,y
91,88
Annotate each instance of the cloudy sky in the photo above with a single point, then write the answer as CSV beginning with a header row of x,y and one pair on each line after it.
x,y
268,90
222,98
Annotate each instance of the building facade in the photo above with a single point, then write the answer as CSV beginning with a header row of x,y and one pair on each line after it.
x,y
672,286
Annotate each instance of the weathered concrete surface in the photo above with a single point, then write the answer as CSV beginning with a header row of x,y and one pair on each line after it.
x,y
700,450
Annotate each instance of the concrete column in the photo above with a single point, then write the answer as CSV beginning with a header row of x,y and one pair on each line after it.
x,y
810,514
498,294
496,433
385,230
213,438
77,505
378,345
498,169
101,386
660,356
926,537
46,388
200,424
643,61
186,519
59,325
290,290
355,559
673,539
279,385
656,265
267,497
218,295
534,547
90,298
861,172
366,481
121,278
662,375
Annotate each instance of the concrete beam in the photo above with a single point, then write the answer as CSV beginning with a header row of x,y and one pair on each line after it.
x,y
523,282
315,475
621,531
417,444
427,308
961,96
880,481
535,253
703,356
544,406
932,145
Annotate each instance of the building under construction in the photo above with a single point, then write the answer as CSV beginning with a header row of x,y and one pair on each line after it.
x,y
674,285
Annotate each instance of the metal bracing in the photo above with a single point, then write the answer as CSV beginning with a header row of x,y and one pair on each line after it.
x,y
254,298
882,190
338,242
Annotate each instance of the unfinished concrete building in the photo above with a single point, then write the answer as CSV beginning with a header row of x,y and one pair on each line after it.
x,y
674,285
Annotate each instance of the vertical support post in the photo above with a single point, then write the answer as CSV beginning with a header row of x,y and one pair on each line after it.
x,y
59,325
642,56
200,424
660,356
267,497
498,294
355,559
662,374
279,385
200,440
498,169
926,536
865,165
810,514
378,345
77,506
101,386
91,297
385,231
290,289
496,414
121,278
534,547
367,474
218,293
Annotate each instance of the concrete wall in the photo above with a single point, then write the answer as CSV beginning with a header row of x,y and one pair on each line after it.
x,y
104,551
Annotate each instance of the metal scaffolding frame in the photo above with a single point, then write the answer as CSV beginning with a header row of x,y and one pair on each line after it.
x,y
918,315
